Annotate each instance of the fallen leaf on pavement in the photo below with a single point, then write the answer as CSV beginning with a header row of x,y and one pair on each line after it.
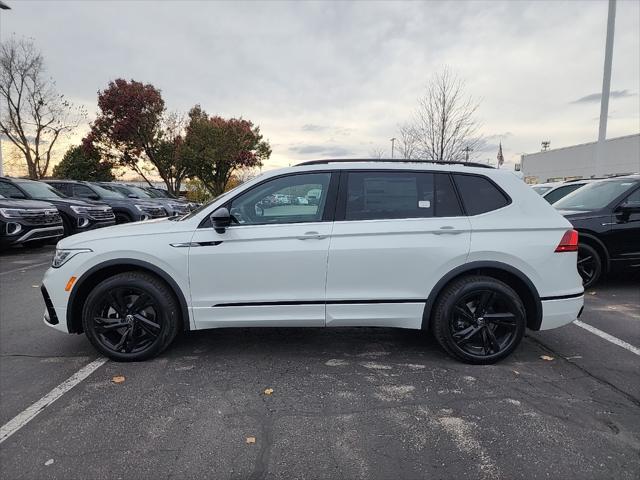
x,y
546,357
516,372
268,391
251,440
592,293
118,379
34,286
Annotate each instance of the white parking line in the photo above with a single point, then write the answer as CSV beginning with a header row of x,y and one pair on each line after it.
x,y
24,417
606,336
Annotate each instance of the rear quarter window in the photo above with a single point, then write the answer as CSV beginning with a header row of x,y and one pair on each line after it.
x,y
479,194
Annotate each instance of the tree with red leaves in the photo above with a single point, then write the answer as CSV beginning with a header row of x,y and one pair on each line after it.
x,y
133,128
214,148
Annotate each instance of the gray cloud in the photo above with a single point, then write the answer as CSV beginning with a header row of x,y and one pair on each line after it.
x,y
310,127
595,97
321,150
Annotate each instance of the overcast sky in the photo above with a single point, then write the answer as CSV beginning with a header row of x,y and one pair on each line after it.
x,y
331,79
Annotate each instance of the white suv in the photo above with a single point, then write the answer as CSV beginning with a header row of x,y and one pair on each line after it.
x,y
472,254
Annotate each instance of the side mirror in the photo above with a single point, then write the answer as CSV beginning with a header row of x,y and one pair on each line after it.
x,y
628,208
131,195
221,220
93,197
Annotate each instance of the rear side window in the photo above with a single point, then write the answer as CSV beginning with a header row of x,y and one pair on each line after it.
x,y
389,195
479,194
82,191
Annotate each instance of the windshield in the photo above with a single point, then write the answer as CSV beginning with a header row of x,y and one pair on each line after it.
x,y
40,190
594,196
104,193
139,192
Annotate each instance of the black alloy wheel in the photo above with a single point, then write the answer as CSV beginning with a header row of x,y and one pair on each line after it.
x,y
131,316
479,320
589,264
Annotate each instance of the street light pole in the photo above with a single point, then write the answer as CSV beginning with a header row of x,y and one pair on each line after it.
x,y
393,142
3,6
606,89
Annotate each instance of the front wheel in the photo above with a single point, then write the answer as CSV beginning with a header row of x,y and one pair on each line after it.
x,y
131,316
479,320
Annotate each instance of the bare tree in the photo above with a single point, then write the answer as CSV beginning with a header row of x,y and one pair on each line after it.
x,y
407,142
444,123
34,116
376,153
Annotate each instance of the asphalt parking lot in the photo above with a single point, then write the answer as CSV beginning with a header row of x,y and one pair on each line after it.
x,y
346,403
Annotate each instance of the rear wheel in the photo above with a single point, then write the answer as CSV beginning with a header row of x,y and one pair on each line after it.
x,y
479,320
589,265
131,316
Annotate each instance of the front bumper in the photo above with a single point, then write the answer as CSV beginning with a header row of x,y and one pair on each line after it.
x,y
559,312
35,234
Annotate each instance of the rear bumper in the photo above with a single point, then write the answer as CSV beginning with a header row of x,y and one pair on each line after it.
x,y
559,312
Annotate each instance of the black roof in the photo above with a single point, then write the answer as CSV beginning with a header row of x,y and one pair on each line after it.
x,y
390,160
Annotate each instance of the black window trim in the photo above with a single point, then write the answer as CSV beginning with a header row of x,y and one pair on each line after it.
x,y
329,207
619,201
498,187
341,207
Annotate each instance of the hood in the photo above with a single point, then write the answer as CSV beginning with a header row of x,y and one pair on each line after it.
x,y
15,203
149,227
580,214
123,202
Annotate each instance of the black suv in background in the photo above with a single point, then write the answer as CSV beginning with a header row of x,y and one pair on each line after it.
x,y
77,215
125,209
28,222
606,214
172,206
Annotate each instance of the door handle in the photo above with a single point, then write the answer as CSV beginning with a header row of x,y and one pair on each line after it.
x,y
311,236
447,229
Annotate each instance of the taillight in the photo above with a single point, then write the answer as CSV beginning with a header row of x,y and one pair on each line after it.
x,y
569,242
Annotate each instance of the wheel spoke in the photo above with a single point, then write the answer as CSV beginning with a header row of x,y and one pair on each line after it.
x,y
506,319
465,335
465,312
123,339
143,301
148,326
107,324
485,302
493,341
118,302
584,259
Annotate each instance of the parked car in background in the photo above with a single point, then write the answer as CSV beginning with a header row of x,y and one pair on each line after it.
x,y
172,206
563,189
125,209
28,222
77,215
542,188
424,246
606,214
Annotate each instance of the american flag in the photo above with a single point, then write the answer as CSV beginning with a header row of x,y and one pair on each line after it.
x,y
500,156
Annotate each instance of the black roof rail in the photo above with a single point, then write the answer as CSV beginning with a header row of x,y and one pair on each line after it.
x,y
389,160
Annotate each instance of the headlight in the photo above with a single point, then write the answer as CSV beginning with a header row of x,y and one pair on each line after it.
x,y
11,212
62,256
143,208
80,210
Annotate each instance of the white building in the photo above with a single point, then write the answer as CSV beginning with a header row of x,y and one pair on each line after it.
x,y
621,156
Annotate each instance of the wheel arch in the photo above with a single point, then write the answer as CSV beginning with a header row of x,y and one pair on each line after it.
x,y
103,270
510,275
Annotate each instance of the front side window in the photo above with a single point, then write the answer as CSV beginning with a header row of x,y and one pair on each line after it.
x,y
479,194
83,191
633,200
290,199
41,190
392,195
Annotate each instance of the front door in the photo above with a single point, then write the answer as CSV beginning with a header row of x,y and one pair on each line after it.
x,y
396,234
269,267
624,237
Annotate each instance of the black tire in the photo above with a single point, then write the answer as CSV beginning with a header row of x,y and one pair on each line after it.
x,y
131,316
476,336
122,217
589,265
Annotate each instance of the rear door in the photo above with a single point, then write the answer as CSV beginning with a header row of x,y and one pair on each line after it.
x,y
396,234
